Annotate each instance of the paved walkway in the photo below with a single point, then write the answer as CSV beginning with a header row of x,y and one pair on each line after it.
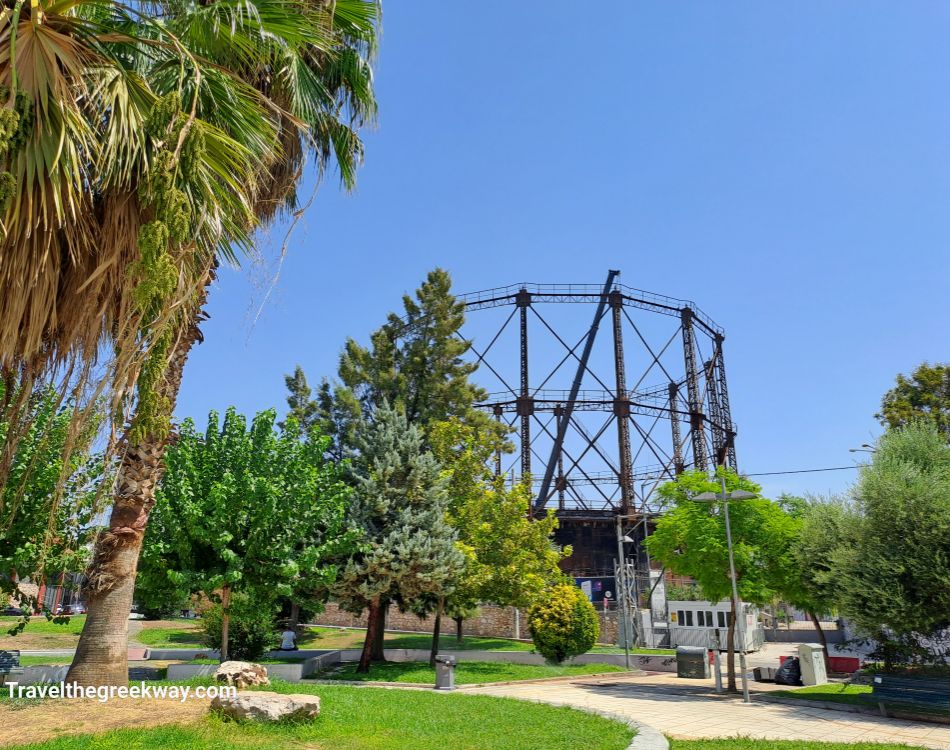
x,y
689,713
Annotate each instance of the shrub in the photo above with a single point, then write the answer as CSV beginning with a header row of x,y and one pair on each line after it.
x,y
563,623
252,629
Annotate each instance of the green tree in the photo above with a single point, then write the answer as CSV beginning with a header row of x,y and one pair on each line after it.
x,y
690,540
247,510
895,578
924,395
824,530
510,556
301,406
415,361
409,552
563,623
44,531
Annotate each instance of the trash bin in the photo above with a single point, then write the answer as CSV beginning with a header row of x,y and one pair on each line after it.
x,y
811,657
692,662
445,672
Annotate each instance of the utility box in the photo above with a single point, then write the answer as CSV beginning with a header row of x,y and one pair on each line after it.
x,y
692,662
811,657
445,672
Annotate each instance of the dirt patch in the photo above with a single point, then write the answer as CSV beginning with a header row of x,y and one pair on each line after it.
x,y
21,725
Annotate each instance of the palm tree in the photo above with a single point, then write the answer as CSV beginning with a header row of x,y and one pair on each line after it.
x,y
141,150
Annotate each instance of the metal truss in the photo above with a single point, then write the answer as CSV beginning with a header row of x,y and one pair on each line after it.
x,y
596,435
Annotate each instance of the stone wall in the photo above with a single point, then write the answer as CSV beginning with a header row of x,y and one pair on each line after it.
x,y
491,621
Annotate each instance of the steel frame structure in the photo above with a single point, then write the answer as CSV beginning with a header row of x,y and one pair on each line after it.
x,y
652,432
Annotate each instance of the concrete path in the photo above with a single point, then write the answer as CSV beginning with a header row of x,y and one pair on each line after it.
x,y
688,713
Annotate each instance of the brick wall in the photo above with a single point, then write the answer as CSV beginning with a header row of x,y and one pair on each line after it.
x,y
491,621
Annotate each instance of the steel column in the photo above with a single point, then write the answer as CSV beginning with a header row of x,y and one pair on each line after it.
x,y
622,407
725,412
525,405
678,465
696,416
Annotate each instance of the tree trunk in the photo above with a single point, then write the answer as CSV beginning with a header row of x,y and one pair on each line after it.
x,y
436,631
378,644
458,631
372,625
731,650
822,638
294,616
225,621
102,653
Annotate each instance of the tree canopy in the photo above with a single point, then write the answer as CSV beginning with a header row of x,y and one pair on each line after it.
x,y
895,577
925,394
247,509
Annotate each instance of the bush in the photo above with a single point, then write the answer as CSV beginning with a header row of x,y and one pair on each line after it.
x,y
252,628
563,623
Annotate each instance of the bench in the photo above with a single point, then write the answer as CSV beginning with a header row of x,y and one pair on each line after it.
x,y
9,664
928,693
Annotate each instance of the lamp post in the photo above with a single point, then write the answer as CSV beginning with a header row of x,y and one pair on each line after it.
x,y
623,610
725,498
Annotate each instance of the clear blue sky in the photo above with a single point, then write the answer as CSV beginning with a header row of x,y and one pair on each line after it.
x,y
785,166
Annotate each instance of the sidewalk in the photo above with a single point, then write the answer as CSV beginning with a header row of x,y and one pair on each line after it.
x,y
685,711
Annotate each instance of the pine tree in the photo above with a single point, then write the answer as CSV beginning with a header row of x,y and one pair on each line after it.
x,y
409,551
301,406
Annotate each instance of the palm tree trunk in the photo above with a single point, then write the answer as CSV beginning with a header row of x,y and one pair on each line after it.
x,y
102,654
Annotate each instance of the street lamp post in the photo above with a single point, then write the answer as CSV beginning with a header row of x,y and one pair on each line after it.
x,y
725,498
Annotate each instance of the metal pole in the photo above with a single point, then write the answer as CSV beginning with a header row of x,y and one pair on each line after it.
x,y
622,595
735,594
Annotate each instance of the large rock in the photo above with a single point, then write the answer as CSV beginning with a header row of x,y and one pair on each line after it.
x,y
242,674
267,706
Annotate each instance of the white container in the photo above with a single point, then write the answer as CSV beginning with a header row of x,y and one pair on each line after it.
x,y
811,658
698,623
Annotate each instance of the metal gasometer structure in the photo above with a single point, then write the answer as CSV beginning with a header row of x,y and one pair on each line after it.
x,y
610,392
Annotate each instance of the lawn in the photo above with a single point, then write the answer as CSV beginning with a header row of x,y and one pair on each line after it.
x,y
833,692
744,744
40,633
319,637
34,661
368,719
466,673
170,634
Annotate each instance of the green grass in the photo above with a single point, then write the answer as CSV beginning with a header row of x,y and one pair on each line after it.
x,y
833,692
33,661
367,719
319,637
169,638
466,673
745,744
41,626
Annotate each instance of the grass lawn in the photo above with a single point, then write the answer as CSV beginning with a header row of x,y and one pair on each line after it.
x,y
833,692
169,634
742,744
368,719
40,633
33,661
317,637
466,673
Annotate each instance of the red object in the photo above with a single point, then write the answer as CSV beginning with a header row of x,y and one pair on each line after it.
x,y
844,663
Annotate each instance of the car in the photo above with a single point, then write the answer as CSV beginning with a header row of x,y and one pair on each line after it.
x,y
12,612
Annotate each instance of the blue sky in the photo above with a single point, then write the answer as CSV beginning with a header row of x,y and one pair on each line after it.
x,y
786,166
